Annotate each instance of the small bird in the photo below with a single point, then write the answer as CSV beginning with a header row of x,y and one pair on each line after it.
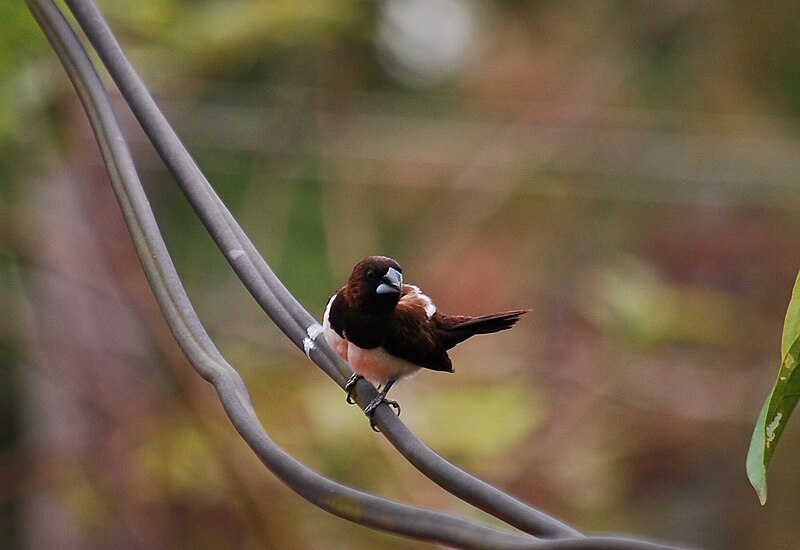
x,y
387,330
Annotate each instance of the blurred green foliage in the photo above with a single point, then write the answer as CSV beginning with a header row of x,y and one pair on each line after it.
x,y
24,91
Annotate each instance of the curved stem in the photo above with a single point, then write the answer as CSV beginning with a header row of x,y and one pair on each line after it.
x,y
276,301
195,342
285,311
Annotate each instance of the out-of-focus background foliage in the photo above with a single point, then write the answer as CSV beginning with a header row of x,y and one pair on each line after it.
x,y
629,171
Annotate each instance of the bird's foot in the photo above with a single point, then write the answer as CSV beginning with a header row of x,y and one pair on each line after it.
x,y
369,410
350,387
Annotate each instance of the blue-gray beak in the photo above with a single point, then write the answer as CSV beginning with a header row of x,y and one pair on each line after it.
x,y
392,282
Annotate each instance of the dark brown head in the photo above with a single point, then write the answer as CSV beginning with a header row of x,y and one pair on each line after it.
x,y
375,285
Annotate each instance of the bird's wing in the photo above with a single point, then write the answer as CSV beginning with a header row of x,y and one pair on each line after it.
x,y
413,337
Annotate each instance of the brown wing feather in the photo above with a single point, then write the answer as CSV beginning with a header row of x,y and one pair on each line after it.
x,y
454,329
414,337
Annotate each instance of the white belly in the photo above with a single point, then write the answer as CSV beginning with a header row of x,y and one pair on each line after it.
x,y
377,365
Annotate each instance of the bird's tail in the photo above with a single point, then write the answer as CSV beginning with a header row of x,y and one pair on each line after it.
x,y
455,329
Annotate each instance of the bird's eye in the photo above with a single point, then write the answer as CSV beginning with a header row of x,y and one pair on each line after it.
x,y
371,275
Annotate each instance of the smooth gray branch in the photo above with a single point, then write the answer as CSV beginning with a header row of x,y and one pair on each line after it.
x,y
197,345
276,301
281,306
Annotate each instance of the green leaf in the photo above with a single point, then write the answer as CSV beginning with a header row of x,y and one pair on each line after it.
x,y
791,325
756,468
781,402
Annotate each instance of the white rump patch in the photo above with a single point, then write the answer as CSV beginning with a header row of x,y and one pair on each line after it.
x,y
414,293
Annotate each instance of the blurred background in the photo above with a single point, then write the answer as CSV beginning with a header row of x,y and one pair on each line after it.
x,y
630,171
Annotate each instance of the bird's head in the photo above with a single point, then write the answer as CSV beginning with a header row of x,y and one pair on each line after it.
x,y
375,284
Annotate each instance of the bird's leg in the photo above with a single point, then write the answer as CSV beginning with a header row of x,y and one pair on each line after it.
x,y
369,410
350,387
